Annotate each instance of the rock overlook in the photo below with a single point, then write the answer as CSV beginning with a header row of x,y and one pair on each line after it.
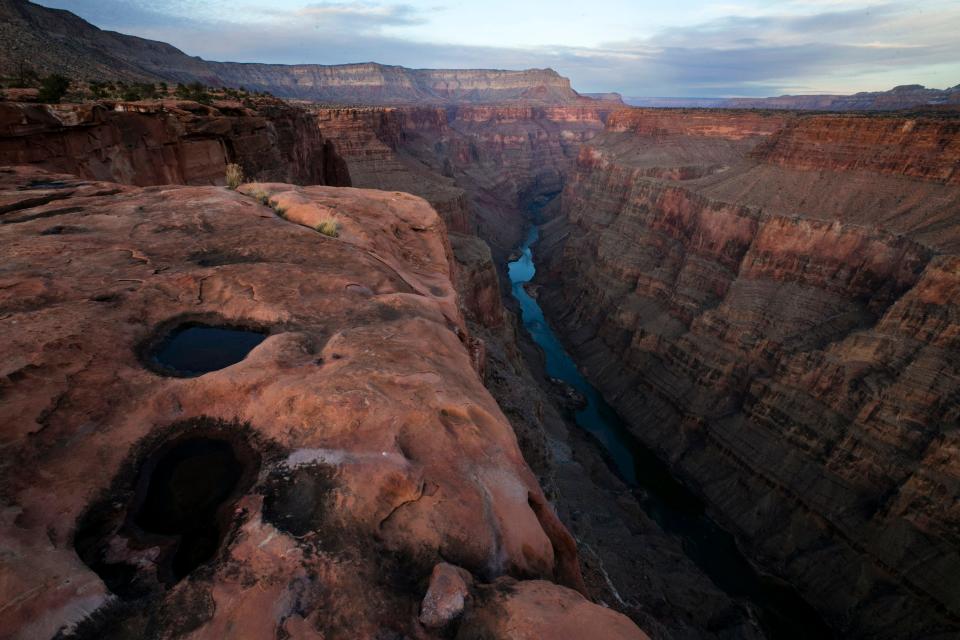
x,y
365,447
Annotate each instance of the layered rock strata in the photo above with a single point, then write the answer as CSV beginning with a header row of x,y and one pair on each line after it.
x,y
629,563
370,142
480,166
362,445
778,321
170,142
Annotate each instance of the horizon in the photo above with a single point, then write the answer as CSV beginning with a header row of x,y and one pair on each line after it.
x,y
691,49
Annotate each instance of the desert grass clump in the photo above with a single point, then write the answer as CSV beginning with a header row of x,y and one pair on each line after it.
x,y
261,196
328,227
234,175
280,211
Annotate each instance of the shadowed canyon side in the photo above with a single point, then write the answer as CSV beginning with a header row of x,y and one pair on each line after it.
x,y
170,142
511,163
770,302
361,456
479,166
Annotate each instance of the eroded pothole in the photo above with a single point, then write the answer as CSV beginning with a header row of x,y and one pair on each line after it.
x,y
184,493
168,513
192,349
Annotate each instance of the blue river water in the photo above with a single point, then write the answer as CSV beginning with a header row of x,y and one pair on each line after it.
x,y
597,417
782,613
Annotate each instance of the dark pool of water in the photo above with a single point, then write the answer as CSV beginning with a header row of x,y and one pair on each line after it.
x,y
784,615
184,494
194,350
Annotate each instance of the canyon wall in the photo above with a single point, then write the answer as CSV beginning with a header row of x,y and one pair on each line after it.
x,y
170,142
910,96
771,304
480,166
372,83
485,167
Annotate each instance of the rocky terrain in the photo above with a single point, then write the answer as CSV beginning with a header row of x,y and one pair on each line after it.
x,y
486,161
479,166
645,574
770,302
57,41
369,481
170,142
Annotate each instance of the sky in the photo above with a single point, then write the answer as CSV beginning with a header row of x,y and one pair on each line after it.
x,y
683,48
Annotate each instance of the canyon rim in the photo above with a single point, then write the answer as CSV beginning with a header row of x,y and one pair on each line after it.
x,y
368,350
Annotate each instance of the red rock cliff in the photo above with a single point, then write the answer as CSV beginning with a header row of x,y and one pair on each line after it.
x,y
493,161
779,321
920,147
169,142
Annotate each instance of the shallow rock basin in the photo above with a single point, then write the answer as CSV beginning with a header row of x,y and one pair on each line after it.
x,y
193,350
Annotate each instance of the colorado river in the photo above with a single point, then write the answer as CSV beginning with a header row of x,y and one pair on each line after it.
x,y
783,613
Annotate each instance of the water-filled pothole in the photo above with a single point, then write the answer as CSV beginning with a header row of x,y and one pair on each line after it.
x,y
169,514
184,493
194,349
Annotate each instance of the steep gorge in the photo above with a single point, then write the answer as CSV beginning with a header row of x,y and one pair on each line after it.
x,y
767,298
480,166
770,303
501,166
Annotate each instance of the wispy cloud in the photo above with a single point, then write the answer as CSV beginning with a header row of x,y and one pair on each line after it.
x,y
362,15
737,49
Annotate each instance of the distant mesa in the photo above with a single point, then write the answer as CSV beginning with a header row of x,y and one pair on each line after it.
x,y
609,96
908,96
57,41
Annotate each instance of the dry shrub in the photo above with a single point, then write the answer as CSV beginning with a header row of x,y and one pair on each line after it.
x,y
234,175
329,227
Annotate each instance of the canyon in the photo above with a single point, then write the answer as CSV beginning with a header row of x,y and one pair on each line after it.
x,y
747,289
770,315
471,355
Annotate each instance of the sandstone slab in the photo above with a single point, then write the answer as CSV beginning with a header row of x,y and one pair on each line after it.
x,y
367,449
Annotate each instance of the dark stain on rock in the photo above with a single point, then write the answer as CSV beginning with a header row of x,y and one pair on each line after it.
x,y
220,258
62,229
297,501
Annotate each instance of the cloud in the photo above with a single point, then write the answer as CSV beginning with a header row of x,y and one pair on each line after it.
x,y
799,46
363,15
